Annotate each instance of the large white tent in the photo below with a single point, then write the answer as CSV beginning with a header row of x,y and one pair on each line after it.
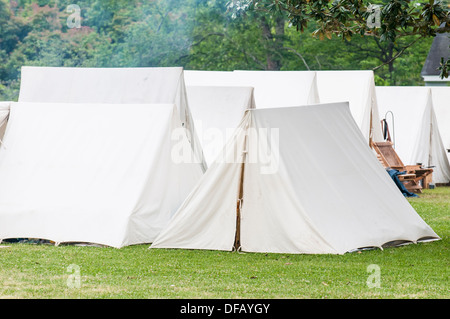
x,y
414,129
217,112
272,88
357,88
295,180
441,104
290,88
209,78
110,85
4,114
280,88
92,172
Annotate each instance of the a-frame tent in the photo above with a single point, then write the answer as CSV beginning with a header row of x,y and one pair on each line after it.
x,y
272,88
217,112
295,180
111,85
209,78
357,88
441,104
280,88
92,172
4,115
414,128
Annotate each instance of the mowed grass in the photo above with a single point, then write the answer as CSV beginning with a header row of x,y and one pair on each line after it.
x,y
412,271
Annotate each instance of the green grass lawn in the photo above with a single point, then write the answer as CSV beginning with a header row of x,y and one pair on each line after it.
x,y
412,271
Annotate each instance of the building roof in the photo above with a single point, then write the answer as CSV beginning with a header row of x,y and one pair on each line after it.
x,y
439,48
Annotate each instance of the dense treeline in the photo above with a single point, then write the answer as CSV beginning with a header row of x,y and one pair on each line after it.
x,y
195,34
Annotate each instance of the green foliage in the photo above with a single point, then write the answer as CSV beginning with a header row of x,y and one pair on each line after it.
x,y
444,68
346,18
398,20
195,34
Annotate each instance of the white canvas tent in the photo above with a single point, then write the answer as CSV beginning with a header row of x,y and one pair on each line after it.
x,y
110,85
272,88
4,114
209,78
441,104
92,172
357,88
280,88
414,130
217,112
305,181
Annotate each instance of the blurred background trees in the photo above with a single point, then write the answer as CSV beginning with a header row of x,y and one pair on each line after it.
x,y
195,34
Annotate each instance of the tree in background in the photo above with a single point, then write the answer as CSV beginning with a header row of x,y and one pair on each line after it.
x,y
395,20
12,32
208,35
240,37
125,33
222,41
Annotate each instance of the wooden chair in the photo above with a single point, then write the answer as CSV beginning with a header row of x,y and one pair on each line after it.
x,y
416,177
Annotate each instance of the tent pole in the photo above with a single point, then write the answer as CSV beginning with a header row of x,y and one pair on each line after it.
x,y
237,238
430,151
371,129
